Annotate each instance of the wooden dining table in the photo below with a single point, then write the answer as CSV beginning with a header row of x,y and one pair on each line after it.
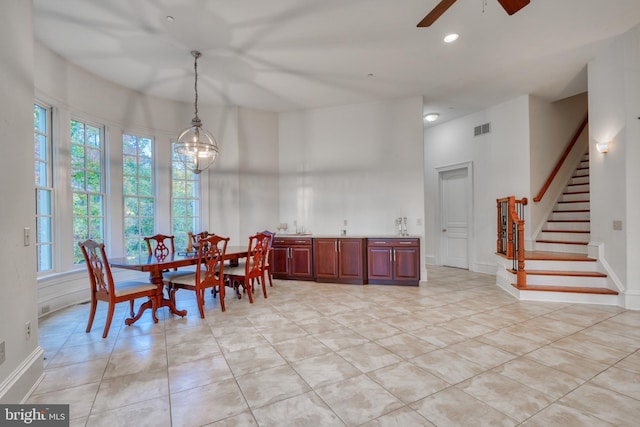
x,y
155,266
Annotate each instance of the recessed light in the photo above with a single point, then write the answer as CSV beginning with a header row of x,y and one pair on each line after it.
x,y
431,117
450,38
170,18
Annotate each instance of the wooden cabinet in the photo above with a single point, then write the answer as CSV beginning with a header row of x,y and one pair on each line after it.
x,y
339,260
292,258
393,261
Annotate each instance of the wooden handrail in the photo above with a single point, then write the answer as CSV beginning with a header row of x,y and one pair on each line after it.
x,y
555,171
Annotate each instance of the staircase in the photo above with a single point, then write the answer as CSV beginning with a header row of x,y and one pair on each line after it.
x,y
559,268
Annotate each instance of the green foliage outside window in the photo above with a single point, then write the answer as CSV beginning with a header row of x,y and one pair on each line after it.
x,y
185,203
87,171
137,188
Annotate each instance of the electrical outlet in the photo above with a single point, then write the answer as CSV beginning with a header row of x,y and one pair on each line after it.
x,y
27,236
28,329
2,353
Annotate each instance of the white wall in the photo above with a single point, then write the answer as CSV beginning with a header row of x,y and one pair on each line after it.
x,y
500,168
614,106
23,364
258,168
360,163
552,126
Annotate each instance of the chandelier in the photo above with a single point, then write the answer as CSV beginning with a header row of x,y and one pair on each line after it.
x,y
196,147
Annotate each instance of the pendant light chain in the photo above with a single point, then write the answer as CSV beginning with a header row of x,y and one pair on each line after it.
x,y
195,85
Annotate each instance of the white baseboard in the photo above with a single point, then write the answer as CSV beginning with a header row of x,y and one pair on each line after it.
x,y
632,300
17,387
486,268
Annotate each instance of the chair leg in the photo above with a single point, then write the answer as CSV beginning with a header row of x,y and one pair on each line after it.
x,y
247,287
92,314
270,277
221,292
200,300
108,323
264,288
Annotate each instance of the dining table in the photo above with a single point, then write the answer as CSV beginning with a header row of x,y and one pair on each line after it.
x,y
156,265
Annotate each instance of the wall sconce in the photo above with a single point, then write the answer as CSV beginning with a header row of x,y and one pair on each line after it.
x,y
603,147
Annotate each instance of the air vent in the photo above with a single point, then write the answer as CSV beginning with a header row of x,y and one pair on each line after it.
x,y
482,129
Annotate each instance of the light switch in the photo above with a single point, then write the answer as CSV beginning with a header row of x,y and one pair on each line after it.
x,y
617,225
27,237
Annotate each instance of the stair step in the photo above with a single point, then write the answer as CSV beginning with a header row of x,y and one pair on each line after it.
x,y
567,226
577,205
558,246
571,188
579,180
584,290
566,273
583,214
561,242
591,279
565,236
566,231
581,171
556,256
578,196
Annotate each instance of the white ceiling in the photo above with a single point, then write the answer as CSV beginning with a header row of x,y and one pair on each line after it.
x,y
282,55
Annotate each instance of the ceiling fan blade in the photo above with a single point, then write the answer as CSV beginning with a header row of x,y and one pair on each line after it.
x,y
436,12
512,6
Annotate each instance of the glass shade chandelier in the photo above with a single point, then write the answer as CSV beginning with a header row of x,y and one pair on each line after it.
x,y
196,147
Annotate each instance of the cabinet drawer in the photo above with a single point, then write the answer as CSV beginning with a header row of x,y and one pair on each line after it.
x,y
291,241
393,242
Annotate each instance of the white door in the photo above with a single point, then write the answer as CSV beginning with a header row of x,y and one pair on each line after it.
x,y
455,194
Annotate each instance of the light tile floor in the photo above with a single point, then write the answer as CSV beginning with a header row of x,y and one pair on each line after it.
x,y
456,351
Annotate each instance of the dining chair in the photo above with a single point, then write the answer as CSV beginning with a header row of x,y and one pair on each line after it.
x,y
160,245
209,274
103,287
266,267
247,272
194,238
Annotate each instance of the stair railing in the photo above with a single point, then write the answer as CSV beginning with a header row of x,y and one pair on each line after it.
x,y
511,234
567,150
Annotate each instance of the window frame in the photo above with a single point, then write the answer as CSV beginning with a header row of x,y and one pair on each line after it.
x,y
150,220
48,188
102,194
195,198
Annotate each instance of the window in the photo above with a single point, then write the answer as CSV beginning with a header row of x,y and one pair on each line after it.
x,y
137,178
44,188
185,202
87,184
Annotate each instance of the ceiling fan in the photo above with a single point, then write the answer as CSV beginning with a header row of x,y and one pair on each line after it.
x,y
511,6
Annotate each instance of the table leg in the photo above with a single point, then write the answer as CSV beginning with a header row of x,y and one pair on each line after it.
x,y
156,278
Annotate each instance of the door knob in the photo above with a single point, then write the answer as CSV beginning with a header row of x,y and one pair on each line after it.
x,y
444,230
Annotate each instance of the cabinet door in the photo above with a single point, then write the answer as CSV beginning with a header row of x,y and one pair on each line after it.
x,y
280,261
325,252
301,262
407,264
380,263
350,259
